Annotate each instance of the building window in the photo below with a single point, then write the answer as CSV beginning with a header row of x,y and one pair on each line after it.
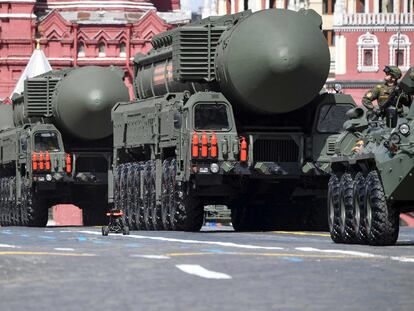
x,y
328,6
360,6
101,49
400,45
81,49
368,53
122,49
368,57
385,6
246,5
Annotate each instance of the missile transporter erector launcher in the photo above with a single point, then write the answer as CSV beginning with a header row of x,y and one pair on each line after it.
x,y
56,147
373,171
228,111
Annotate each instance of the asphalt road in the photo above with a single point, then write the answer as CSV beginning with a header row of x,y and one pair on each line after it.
x,y
78,269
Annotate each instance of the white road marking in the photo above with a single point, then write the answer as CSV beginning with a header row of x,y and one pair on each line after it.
x,y
9,246
49,231
336,251
225,244
151,256
403,259
202,272
64,249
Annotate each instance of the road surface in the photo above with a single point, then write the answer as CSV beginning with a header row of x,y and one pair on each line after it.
x,y
76,268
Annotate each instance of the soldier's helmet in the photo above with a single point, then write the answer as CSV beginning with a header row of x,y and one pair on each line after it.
x,y
393,71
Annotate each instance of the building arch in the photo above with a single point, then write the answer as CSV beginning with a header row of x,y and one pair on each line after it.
x,y
368,46
102,48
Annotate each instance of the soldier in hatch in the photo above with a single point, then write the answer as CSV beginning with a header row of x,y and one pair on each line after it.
x,y
382,92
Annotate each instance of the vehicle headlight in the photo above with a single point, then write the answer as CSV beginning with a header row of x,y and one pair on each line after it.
x,y
395,138
214,168
404,129
48,177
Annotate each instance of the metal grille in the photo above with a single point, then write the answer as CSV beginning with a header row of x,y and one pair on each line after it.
x,y
331,147
275,150
193,52
39,93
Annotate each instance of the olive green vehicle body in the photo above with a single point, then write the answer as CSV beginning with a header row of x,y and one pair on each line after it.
x,y
395,167
375,157
64,115
267,82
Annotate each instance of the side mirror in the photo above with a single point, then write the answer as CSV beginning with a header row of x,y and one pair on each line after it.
x,y
178,120
391,117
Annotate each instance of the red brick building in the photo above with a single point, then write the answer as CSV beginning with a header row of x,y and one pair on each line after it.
x,y
368,36
80,32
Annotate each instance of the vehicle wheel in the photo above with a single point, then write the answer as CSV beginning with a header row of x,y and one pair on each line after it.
x,y
359,218
148,196
123,191
105,230
156,208
37,210
23,208
117,190
347,208
138,202
2,204
239,217
165,196
381,217
334,213
186,210
130,206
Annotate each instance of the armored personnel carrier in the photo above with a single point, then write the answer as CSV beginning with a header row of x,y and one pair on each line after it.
x,y
372,172
55,144
228,111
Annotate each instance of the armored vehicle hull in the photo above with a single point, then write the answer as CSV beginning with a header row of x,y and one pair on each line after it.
x,y
227,116
59,148
372,174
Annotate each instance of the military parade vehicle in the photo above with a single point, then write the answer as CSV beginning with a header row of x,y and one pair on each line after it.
x,y
372,170
230,111
56,144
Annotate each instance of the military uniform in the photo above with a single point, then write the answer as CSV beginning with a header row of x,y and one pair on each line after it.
x,y
380,92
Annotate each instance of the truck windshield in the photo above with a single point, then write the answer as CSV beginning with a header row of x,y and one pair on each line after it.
x,y
46,141
332,117
211,117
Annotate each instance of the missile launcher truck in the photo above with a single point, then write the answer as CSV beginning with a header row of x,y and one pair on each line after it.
x,y
372,171
55,144
228,111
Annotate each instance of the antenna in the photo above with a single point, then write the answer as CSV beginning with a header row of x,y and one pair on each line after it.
x,y
398,40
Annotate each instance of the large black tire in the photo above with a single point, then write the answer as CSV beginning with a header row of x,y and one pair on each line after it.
x,y
359,201
130,207
37,210
239,217
334,213
148,195
165,196
381,217
156,208
123,191
347,208
138,202
187,212
117,190
2,203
